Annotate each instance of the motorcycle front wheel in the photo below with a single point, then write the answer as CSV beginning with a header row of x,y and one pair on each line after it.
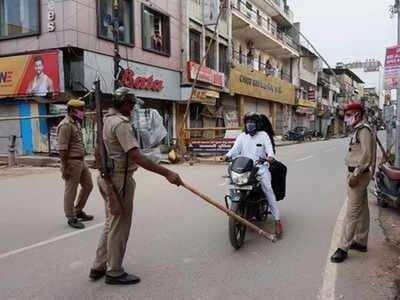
x,y
237,231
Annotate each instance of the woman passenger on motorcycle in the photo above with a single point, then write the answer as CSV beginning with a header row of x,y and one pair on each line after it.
x,y
256,144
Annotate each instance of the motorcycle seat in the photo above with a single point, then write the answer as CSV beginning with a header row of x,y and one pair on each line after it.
x,y
391,172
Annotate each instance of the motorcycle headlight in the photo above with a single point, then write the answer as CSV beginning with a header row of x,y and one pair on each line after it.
x,y
240,179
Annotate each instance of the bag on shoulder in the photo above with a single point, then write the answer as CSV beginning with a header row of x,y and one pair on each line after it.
x,y
278,179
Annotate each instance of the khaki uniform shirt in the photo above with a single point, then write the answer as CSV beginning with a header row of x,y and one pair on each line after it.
x,y
70,138
362,149
119,138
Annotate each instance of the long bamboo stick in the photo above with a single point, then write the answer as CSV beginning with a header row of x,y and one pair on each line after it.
x,y
267,235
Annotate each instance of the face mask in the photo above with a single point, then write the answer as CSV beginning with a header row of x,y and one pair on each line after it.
x,y
80,114
251,128
352,120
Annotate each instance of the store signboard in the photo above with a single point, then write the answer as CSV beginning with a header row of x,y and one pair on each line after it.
x,y
205,74
256,84
147,81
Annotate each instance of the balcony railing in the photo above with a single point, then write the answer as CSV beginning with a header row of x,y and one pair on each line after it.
x,y
265,24
255,65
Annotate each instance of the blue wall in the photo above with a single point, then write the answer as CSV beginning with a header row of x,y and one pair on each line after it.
x,y
26,128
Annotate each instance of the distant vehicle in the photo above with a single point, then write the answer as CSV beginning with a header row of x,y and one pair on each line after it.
x,y
299,133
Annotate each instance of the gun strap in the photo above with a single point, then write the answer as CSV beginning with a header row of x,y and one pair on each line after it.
x,y
125,177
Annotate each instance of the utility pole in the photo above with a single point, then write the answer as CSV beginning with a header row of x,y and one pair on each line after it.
x,y
115,28
397,161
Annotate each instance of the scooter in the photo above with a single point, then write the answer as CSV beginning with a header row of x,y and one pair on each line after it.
x,y
387,185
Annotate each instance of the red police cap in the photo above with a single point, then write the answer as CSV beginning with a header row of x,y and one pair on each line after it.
x,y
353,105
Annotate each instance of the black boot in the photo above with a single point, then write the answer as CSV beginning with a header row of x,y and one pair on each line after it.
x,y
124,279
358,247
96,274
84,217
74,223
339,256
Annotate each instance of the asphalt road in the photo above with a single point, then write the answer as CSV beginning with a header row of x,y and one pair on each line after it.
x,y
179,245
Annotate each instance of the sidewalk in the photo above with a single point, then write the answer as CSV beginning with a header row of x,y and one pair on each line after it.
x,y
54,162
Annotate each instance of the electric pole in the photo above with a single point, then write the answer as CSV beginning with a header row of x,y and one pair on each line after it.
x,y
115,28
396,9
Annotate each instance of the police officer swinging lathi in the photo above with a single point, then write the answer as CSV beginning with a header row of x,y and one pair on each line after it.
x,y
360,163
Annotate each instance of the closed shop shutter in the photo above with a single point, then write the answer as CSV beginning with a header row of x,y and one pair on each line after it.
x,y
8,128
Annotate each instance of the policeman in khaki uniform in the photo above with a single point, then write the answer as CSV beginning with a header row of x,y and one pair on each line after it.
x,y
123,149
360,161
73,167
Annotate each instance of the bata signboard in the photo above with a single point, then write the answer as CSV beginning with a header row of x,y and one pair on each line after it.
x,y
205,74
129,79
149,82
30,75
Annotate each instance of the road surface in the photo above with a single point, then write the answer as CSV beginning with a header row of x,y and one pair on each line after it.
x,y
179,245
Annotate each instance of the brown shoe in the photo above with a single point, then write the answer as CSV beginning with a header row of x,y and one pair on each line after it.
x,y
278,229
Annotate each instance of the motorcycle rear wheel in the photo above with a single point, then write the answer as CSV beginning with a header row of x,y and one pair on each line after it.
x,y
237,231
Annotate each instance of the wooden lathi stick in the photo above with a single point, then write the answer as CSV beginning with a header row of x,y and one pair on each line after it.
x,y
230,213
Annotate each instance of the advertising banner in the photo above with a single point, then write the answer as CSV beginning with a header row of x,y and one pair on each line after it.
x,y
30,75
392,68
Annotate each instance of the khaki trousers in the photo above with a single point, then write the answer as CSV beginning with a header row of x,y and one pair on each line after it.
x,y
112,245
80,174
357,220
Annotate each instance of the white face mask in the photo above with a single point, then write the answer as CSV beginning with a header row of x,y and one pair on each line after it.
x,y
352,120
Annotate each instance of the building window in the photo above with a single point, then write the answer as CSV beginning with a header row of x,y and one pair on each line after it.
x,y
223,59
195,46
155,31
19,18
126,21
211,59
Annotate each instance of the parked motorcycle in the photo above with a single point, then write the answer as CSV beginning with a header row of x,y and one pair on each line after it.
x,y
247,198
387,185
299,133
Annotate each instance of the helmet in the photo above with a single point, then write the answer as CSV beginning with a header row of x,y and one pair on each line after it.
x,y
123,94
76,103
251,116
251,123
353,105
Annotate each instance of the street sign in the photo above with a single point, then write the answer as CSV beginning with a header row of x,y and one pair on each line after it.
x,y
392,68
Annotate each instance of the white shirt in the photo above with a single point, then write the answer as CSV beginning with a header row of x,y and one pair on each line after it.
x,y
255,147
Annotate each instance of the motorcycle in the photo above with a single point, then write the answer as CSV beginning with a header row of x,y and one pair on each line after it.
x,y
246,197
387,185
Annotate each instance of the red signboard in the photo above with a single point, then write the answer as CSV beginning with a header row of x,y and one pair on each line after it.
x,y
205,74
30,75
128,79
392,68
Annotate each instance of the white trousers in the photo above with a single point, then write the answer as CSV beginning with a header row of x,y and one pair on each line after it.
x,y
265,180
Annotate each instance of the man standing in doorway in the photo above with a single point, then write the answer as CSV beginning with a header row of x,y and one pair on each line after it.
x,y
360,162
73,167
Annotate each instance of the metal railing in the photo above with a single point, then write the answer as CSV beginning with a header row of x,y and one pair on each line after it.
x,y
265,24
254,64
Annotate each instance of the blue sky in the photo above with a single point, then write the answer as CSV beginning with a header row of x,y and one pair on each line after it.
x,y
347,30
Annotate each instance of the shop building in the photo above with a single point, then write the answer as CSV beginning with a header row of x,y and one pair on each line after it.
x,y
76,46
263,57
211,105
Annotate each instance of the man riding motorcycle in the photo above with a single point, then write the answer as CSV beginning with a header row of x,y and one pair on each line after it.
x,y
257,145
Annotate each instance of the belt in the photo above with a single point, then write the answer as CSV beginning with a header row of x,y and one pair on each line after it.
x,y
76,158
352,169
